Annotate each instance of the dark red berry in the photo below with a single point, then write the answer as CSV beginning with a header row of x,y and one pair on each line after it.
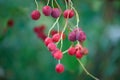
x,y
58,55
47,10
39,29
80,36
59,68
53,32
56,37
51,46
35,15
55,13
68,13
41,35
10,23
71,51
79,54
48,40
72,36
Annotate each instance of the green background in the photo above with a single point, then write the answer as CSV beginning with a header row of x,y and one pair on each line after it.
x,y
23,56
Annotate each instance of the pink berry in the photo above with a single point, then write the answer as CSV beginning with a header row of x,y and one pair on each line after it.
x,y
48,40
85,51
71,51
79,54
56,37
10,23
58,55
68,13
80,36
55,13
52,52
51,46
72,36
59,68
35,15
47,10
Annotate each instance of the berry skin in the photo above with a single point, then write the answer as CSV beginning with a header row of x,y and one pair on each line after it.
x,y
39,29
79,54
41,35
71,51
10,23
72,36
58,55
51,46
55,13
80,36
35,15
85,51
68,13
47,41
59,68
56,37
47,10
53,32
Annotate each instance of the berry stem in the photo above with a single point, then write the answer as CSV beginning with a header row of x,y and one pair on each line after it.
x,y
58,5
65,51
58,27
53,26
36,4
87,71
66,4
52,4
77,15
58,61
48,2
62,33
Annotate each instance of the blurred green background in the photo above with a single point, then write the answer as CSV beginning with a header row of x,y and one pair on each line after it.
x,y
23,56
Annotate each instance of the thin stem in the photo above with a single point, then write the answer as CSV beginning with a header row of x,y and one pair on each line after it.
x,y
62,33
87,71
58,5
48,2
58,61
77,15
58,27
53,26
65,51
36,4
52,4
66,4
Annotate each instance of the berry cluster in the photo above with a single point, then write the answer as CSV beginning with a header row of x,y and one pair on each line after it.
x,y
76,34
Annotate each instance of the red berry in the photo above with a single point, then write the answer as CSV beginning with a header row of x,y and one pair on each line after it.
x,y
59,68
80,36
58,55
71,51
63,36
10,23
56,37
51,46
47,10
79,54
68,13
41,35
72,36
53,32
54,51
55,13
35,15
85,51
39,29
48,40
